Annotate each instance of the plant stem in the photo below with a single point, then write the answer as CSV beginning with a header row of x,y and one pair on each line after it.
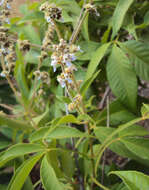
x,y
57,30
99,184
8,79
13,88
104,155
77,30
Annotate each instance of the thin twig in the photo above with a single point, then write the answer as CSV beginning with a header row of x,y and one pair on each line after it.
x,y
80,178
75,35
57,31
78,21
101,105
7,107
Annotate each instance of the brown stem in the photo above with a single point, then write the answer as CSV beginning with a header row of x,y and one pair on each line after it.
x,y
8,79
57,30
76,32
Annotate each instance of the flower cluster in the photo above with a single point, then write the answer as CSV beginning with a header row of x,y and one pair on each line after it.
x,y
76,102
49,35
24,45
7,48
43,76
51,12
5,11
91,8
64,55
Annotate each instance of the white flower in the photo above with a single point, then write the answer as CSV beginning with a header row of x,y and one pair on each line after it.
x,y
1,3
53,64
79,49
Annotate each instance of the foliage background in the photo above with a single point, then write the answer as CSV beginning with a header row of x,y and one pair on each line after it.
x,y
124,75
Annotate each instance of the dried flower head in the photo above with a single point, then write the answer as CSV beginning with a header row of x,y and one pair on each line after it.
x,y
24,45
51,12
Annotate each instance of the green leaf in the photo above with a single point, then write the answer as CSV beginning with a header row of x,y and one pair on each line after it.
x,y
67,119
61,132
119,15
96,58
139,146
87,83
22,172
20,74
146,18
118,114
32,16
88,48
133,180
139,55
103,132
85,31
3,187
122,78
145,109
4,143
68,164
29,32
19,150
48,176
13,124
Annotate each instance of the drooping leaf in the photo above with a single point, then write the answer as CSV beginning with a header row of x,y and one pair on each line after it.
x,y
133,180
22,172
48,176
19,150
123,87
119,15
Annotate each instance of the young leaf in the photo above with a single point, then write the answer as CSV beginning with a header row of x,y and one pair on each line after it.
x,y
19,150
119,14
125,88
22,172
48,176
96,58
133,180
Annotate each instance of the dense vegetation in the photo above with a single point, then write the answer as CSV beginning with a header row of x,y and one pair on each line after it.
x,y
74,107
